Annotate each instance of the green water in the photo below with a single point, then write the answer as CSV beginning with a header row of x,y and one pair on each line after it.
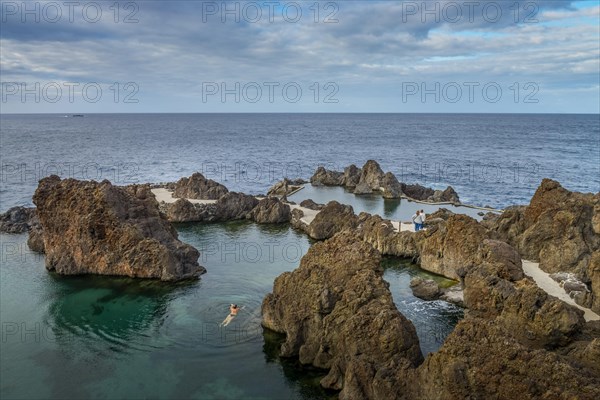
x,y
106,337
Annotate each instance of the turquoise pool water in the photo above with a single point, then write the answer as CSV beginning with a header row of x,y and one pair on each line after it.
x,y
107,337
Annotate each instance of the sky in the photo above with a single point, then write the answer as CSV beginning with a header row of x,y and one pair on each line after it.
x,y
288,56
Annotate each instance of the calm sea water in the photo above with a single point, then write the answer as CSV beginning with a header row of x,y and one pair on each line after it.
x,y
101,337
495,160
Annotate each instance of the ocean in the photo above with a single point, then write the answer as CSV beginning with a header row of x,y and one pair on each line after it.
x,y
490,159
111,337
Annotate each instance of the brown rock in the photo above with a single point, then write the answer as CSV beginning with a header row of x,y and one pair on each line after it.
x,y
371,176
311,205
234,206
426,289
417,192
333,218
199,188
482,360
351,176
338,314
270,211
17,219
183,211
451,248
323,177
98,228
390,187
558,229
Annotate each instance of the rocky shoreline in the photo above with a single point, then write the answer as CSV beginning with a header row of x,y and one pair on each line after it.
x,y
336,311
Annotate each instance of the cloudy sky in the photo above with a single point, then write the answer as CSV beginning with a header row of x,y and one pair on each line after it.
x,y
269,56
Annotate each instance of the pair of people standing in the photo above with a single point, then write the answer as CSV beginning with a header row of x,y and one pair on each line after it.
x,y
419,220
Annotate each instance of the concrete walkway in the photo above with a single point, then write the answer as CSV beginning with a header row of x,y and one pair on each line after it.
x,y
309,215
166,195
550,286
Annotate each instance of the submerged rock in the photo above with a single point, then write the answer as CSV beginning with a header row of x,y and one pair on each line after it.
x,y
338,314
97,228
199,188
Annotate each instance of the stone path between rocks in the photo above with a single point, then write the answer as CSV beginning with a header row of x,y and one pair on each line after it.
x,y
531,269
166,195
550,286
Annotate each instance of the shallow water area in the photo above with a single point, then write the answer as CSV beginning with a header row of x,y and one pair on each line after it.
x,y
111,337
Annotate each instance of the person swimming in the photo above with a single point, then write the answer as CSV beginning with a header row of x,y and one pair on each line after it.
x,y
233,310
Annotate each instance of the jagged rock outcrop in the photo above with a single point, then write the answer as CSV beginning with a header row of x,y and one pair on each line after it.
x,y
390,187
449,248
285,187
333,218
351,176
311,205
559,228
481,359
516,342
381,235
97,228
199,188
270,210
35,241
417,192
324,177
183,210
371,178
371,175
234,206
17,219
338,314
448,195
362,188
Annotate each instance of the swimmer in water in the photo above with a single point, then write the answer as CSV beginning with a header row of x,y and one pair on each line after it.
x,y
233,310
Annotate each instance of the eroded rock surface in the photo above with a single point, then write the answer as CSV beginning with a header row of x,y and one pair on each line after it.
x,y
270,211
17,219
333,218
560,229
199,188
338,314
97,228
